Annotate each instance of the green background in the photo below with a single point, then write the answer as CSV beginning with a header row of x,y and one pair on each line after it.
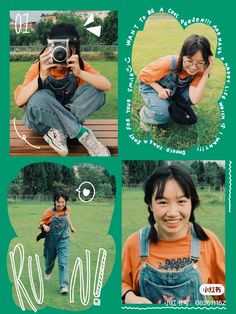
x,y
129,12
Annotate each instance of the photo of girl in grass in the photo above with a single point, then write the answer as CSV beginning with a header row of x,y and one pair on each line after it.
x,y
170,259
56,226
68,231
178,83
60,90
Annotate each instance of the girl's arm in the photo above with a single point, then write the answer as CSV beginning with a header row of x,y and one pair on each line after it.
x,y
29,89
70,223
26,92
163,93
98,81
196,93
46,220
72,229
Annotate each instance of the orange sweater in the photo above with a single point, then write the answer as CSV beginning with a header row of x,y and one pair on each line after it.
x,y
47,217
158,69
211,264
33,72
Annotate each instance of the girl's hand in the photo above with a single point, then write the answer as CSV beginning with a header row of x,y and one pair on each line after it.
x,y
73,64
46,228
165,93
45,64
72,229
209,67
132,298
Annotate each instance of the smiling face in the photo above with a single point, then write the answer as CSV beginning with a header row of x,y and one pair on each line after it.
x,y
171,212
194,64
60,203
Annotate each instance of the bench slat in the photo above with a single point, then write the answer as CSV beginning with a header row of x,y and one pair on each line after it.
x,y
104,130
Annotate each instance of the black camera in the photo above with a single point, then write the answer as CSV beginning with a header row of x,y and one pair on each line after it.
x,y
60,50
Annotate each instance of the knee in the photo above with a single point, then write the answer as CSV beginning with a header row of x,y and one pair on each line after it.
x,y
40,97
96,95
41,100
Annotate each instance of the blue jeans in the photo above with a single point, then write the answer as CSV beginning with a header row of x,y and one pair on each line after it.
x,y
156,110
57,244
44,111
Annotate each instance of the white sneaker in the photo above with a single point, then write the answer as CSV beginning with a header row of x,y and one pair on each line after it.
x,y
47,276
64,290
92,144
146,127
57,140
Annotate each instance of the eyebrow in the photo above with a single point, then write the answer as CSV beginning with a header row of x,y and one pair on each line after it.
x,y
196,60
163,197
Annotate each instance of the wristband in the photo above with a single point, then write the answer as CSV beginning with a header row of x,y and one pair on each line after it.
x,y
124,295
40,83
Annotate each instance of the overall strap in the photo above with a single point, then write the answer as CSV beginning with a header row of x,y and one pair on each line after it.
x,y
172,62
195,245
144,242
53,212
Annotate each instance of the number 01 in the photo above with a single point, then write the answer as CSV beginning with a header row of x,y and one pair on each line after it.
x,y
18,23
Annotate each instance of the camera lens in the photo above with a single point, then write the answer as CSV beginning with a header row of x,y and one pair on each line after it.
x,y
59,55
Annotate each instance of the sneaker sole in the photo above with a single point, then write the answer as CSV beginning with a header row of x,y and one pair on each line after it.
x,y
55,147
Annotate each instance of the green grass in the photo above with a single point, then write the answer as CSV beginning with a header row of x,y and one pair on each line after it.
x,y
211,213
91,222
164,37
106,68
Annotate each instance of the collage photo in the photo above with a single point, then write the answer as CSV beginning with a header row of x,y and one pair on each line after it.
x,y
117,157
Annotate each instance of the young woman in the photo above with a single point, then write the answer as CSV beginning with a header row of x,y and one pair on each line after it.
x,y
58,97
169,260
186,74
56,222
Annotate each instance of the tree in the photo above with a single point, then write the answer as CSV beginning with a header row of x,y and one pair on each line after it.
x,y
110,28
199,169
42,30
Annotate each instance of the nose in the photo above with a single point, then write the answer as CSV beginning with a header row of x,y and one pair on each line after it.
x,y
172,210
194,65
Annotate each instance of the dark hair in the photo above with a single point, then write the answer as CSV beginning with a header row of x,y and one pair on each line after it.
x,y
156,184
62,31
57,196
191,45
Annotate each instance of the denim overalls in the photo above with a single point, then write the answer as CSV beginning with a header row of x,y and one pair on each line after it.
x,y
156,109
57,243
63,88
161,286
60,104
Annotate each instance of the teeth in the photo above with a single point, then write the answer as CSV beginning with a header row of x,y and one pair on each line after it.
x,y
172,221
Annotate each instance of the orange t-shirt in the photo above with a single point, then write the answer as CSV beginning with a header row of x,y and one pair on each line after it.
x,y
47,217
211,264
33,72
160,68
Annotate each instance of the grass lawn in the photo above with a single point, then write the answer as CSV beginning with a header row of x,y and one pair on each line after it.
x,y
211,213
91,222
162,37
107,68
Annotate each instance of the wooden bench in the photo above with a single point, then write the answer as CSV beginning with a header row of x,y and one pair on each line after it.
x,y
105,130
